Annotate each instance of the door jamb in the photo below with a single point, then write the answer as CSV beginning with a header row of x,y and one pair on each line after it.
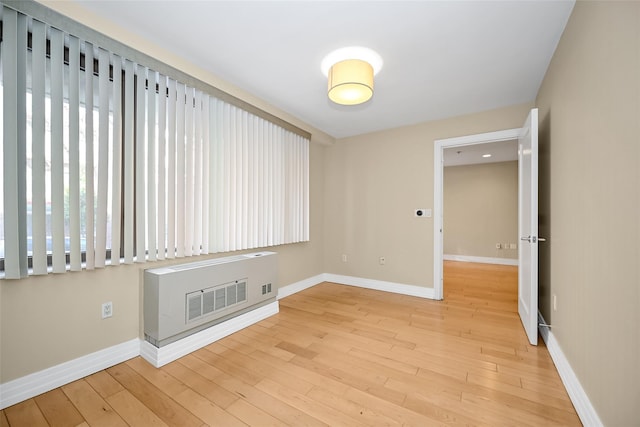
x,y
438,168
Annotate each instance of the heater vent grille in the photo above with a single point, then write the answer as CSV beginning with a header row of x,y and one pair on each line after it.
x,y
211,300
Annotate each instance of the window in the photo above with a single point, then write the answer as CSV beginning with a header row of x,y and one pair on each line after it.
x,y
46,156
107,160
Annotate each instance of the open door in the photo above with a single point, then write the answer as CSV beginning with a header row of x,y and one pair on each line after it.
x,y
528,226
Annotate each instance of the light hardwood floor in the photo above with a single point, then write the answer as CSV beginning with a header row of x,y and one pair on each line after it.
x,y
339,355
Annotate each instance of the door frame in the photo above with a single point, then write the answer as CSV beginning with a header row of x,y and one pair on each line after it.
x,y
438,171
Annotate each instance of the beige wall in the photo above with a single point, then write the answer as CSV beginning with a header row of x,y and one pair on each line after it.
x,y
481,209
373,184
590,203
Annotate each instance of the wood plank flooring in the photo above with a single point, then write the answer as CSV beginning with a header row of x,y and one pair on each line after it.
x,y
340,356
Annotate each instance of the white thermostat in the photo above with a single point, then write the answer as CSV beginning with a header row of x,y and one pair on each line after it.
x,y
423,213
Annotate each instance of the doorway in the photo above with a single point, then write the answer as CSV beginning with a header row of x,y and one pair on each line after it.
x,y
480,204
527,137
440,146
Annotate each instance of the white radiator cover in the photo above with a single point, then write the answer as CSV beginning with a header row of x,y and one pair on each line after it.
x,y
186,298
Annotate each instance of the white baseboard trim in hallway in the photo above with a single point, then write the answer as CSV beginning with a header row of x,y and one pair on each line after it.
x,y
480,259
578,396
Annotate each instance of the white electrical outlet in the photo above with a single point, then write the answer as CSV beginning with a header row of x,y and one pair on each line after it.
x,y
107,309
498,246
344,257
383,261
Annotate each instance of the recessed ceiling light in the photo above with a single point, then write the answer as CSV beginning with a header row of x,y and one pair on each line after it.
x,y
486,155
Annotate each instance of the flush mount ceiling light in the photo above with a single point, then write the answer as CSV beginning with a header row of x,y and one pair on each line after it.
x,y
350,72
486,156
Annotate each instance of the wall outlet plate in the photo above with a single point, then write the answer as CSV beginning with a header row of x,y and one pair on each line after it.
x,y
107,309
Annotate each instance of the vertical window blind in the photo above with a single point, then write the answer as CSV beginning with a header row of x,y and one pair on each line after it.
x,y
107,160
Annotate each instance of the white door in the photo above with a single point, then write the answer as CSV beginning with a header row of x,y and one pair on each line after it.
x,y
528,226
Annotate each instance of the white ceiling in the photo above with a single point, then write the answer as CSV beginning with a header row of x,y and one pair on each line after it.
x,y
441,58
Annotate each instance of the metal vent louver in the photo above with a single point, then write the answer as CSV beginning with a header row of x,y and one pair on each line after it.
x,y
242,291
208,302
194,305
215,299
220,299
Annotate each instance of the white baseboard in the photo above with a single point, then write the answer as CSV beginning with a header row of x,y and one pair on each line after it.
x,y
161,356
379,285
578,396
481,259
293,288
46,380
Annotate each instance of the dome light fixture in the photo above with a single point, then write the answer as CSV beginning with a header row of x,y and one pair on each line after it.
x,y
350,72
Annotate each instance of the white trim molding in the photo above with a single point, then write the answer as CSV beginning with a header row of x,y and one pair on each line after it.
x,y
481,259
293,288
166,354
379,285
584,408
48,379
